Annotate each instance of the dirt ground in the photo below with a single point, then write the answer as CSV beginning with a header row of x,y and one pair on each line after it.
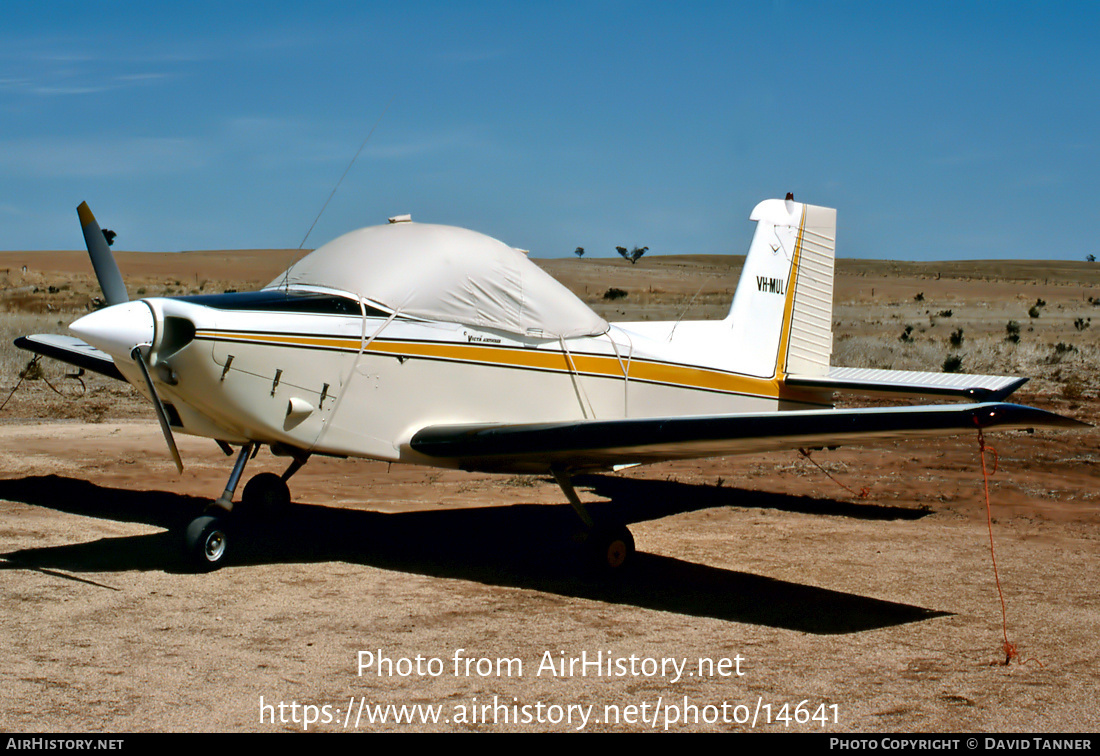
x,y
764,596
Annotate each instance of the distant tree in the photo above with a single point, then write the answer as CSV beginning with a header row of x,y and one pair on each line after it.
x,y
579,251
109,235
633,255
1091,258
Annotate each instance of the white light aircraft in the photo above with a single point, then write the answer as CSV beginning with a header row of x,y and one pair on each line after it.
x,y
436,345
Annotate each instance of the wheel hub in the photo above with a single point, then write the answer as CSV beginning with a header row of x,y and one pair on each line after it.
x,y
215,546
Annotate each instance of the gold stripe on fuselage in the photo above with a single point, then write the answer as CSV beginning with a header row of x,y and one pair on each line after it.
x,y
671,374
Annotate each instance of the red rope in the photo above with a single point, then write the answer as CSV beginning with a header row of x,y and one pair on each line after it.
x,y
1009,648
862,494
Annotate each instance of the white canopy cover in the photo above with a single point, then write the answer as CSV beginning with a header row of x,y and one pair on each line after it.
x,y
449,274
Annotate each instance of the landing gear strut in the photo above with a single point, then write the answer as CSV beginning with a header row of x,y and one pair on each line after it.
x,y
610,548
208,537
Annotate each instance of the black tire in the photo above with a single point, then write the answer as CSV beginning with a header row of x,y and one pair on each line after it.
x,y
611,549
207,543
265,494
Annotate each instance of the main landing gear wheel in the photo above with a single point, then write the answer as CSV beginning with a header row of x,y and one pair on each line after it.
x,y
266,493
207,542
611,549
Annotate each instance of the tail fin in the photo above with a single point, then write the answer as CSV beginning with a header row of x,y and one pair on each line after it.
x,y
781,318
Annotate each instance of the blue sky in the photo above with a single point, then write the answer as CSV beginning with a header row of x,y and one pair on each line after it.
x,y
939,130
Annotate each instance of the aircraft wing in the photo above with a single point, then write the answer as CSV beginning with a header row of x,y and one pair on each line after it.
x,y
603,444
71,350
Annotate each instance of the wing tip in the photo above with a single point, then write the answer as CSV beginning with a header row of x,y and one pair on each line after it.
x,y
1019,415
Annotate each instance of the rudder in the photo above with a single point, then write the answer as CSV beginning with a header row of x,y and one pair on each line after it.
x,y
781,317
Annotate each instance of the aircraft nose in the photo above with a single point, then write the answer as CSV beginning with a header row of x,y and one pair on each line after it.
x,y
117,329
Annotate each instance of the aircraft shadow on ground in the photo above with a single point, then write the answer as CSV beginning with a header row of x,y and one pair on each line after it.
x,y
524,545
640,496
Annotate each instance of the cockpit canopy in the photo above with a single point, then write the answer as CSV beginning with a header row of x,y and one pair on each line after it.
x,y
449,274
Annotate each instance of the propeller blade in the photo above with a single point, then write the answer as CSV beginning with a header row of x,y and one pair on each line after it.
x,y
106,270
162,416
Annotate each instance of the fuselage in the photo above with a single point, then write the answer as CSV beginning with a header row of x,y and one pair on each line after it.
x,y
329,373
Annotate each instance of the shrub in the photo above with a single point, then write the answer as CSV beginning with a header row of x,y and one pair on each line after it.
x,y
1073,389
956,338
1012,328
953,363
1081,323
613,293
907,335
944,314
919,297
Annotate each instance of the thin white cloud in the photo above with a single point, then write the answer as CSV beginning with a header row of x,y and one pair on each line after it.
x,y
63,91
141,77
68,83
54,157
465,138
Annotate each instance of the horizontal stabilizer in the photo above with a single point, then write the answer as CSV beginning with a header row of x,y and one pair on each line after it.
x,y
982,388
70,350
601,444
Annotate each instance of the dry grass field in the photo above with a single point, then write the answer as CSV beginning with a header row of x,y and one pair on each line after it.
x,y
876,613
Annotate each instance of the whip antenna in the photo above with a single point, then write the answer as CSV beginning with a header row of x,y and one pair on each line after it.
x,y
364,144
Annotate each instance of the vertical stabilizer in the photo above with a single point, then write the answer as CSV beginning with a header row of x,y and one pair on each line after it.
x,y
781,318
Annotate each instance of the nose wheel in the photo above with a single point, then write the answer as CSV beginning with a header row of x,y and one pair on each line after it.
x,y
207,538
207,542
